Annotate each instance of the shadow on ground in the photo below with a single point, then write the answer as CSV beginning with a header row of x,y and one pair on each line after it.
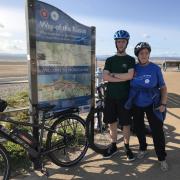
x,y
94,167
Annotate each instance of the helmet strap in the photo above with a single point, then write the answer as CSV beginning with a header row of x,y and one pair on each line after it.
x,y
124,48
143,64
121,52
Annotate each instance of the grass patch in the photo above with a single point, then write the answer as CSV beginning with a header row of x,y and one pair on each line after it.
x,y
20,162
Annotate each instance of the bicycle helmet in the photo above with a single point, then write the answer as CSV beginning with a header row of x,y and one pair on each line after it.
x,y
140,46
121,34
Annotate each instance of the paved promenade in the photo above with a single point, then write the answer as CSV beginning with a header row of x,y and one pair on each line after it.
x,y
94,167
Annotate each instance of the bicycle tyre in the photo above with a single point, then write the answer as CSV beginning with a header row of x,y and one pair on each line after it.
x,y
4,163
97,131
75,143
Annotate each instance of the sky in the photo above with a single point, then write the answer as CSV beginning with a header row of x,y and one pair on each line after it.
x,y
155,21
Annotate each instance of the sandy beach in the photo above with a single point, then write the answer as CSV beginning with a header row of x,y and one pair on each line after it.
x,y
95,167
13,69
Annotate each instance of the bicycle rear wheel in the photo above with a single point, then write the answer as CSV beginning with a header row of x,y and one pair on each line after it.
x,y
67,140
4,164
98,132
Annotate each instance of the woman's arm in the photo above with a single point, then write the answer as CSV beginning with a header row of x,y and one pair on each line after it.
x,y
163,103
163,95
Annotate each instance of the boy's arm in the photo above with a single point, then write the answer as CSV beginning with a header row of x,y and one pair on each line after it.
x,y
107,76
124,76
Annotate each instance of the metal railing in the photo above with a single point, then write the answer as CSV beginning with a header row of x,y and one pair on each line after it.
x,y
17,109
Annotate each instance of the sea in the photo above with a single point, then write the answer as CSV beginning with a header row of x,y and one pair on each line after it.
x,y
23,57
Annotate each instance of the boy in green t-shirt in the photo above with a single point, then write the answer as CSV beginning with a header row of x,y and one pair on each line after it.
x,y
118,71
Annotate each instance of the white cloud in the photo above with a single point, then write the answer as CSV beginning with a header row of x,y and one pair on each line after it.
x,y
12,46
13,33
12,30
5,34
146,36
13,19
154,34
1,25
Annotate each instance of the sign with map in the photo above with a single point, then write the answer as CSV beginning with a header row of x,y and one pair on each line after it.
x,y
64,59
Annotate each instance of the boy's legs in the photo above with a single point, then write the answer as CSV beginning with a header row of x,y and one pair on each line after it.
x,y
115,109
110,118
113,132
112,149
126,137
126,134
125,120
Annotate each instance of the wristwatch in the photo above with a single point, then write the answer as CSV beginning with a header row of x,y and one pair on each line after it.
x,y
162,104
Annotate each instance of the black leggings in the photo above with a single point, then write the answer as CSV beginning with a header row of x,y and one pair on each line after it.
x,y
156,126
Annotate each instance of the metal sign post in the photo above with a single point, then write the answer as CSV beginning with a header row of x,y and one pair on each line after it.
x,y
93,55
32,66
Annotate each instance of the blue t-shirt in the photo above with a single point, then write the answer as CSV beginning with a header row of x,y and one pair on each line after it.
x,y
146,78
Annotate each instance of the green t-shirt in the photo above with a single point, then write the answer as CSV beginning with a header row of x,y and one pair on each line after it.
x,y
119,64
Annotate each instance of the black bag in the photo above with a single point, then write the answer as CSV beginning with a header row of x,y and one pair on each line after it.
x,y
3,105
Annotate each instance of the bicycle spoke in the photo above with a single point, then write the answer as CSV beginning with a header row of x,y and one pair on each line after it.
x,y
71,132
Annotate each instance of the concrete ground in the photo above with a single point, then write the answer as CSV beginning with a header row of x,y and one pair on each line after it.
x,y
94,167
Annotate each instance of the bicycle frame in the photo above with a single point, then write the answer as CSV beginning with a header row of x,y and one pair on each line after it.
x,y
39,150
11,137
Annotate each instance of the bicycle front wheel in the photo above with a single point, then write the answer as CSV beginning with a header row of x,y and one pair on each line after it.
x,y
67,140
4,164
97,130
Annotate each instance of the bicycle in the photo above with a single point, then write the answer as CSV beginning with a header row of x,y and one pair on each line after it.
x,y
66,142
97,130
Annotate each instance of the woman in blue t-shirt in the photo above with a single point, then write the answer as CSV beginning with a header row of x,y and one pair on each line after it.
x,y
148,95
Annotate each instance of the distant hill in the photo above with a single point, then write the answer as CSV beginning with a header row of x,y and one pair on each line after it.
x,y
104,57
13,57
23,57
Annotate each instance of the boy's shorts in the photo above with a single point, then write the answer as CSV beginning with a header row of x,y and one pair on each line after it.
x,y
114,111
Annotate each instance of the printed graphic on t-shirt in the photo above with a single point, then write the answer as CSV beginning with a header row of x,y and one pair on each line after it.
x,y
147,81
124,65
143,79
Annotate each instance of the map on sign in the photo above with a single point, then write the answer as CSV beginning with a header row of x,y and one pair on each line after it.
x,y
63,54
56,79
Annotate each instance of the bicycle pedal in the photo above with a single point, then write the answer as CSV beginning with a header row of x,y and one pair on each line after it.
x,y
45,172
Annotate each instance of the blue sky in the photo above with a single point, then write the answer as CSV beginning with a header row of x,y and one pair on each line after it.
x,y
155,21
